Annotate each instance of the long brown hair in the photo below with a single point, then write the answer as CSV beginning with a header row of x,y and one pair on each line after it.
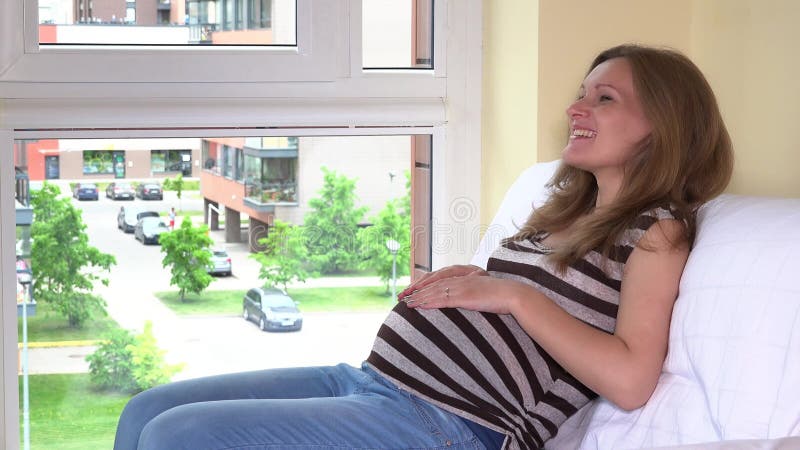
x,y
685,161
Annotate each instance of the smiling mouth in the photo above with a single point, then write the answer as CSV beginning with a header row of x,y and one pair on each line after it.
x,y
579,133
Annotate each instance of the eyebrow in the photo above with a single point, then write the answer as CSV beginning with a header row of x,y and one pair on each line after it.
x,y
582,86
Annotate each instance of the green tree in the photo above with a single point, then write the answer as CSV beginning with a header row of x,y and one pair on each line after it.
x,y
64,265
284,256
331,227
392,222
186,253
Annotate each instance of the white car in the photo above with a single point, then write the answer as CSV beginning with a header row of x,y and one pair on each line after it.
x,y
220,263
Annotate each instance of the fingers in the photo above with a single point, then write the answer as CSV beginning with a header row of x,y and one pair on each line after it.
x,y
435,296
478,272
441,274
421,283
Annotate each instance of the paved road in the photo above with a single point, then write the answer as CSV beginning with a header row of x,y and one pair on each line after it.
x,y
206,345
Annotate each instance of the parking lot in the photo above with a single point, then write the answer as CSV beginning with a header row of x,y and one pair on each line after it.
x,y
213,344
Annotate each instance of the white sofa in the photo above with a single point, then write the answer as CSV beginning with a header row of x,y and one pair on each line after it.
x,y
731,379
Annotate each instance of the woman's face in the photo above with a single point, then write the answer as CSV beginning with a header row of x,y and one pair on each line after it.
x,y
607,123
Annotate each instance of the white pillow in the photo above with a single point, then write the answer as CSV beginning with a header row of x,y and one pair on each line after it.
x,y
526,192
733,366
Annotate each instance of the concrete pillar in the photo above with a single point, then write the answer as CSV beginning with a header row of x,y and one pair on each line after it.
x,y
257,230
233,225
214,225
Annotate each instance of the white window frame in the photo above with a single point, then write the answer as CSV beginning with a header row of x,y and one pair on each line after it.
x,y
327,60
312,59
40,97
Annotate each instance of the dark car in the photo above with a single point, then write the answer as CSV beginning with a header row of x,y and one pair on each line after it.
x,y
272,309
86,191
150,191
116,190
128,216
148,229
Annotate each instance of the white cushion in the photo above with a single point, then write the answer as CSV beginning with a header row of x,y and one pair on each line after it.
x,y
527,192
733,367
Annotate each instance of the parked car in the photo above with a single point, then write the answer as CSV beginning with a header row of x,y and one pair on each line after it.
x,y
128,216
149,191
220,263
117,190
272,309
148,229
85,191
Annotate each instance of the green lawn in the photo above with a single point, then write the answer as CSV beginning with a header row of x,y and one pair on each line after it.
x,y
364,298
66,414
48,326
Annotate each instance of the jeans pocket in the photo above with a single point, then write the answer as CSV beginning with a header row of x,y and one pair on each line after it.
x,y
446,429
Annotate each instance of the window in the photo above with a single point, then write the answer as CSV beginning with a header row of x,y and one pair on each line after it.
x,y
239,165
228,161
210,156
397,34
270,180
377,164
270,165
259,14
135,53
98,162
165,22
171,161
313,91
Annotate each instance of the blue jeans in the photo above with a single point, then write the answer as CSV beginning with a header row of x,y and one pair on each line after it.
x,y
337,407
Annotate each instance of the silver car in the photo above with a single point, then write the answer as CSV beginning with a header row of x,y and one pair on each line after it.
x,y
272,309
117,190
220,263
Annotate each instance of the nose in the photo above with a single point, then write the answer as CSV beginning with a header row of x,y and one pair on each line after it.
x,y
577,109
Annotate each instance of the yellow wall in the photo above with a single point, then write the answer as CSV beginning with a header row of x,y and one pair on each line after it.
x,y
750,52
747,49
509,117
572,32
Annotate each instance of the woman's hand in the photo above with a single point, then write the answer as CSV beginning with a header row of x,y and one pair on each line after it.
x,y
475,291
432,277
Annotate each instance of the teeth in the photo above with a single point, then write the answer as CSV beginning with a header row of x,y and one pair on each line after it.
x,y
584,133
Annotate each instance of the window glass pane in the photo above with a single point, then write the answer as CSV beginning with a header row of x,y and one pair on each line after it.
x,y
206,333
98,162
397,34
157,162
168,22
163,161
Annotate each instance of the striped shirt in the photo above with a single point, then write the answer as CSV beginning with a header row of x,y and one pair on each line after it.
x,y
484,366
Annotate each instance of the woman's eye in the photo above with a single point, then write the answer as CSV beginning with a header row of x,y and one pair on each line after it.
x,y
605,98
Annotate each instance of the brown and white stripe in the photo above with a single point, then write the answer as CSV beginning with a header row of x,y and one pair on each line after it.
x,y
484,367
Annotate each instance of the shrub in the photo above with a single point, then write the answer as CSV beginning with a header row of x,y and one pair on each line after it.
x,y
149,367
111,365
129,364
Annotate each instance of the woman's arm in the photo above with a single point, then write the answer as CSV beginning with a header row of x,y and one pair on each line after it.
x,y
623,367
